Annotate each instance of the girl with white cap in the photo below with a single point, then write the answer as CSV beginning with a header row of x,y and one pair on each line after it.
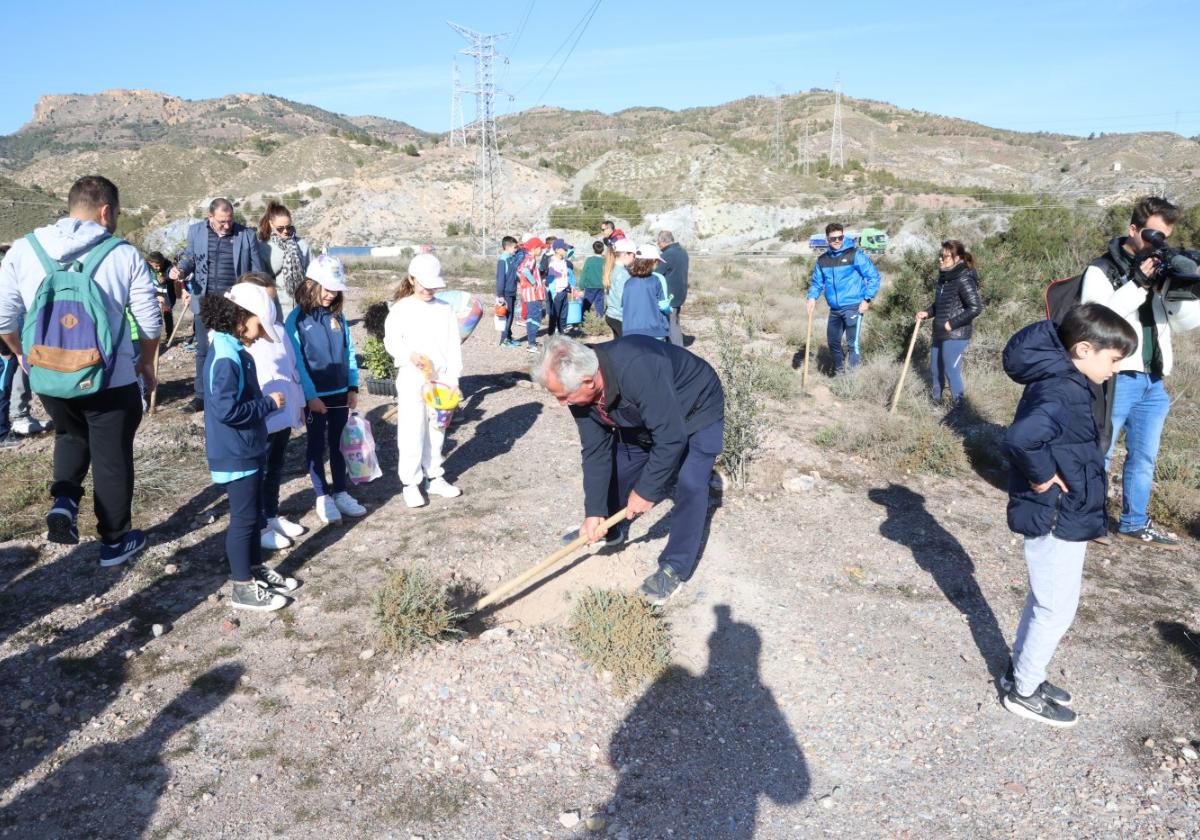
x,y
328,370
235,435
421,333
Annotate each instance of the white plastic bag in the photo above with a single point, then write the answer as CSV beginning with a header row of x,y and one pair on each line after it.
x,y
358,447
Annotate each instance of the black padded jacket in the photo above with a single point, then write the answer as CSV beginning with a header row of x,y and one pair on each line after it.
x,y
956,299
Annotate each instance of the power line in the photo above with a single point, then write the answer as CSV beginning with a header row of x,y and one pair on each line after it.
x,y
554,54
570,52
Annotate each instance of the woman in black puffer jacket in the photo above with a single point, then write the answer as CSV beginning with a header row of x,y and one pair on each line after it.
x,y
955,305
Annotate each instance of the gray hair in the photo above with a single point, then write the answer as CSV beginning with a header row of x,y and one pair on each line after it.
x,y
665,237
219,204
570,360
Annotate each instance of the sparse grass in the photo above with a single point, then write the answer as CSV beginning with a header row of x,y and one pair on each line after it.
x,y
593,325
425,803
413,609
24,483
621,633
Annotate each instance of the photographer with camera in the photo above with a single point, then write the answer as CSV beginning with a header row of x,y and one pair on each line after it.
x,y
1129,280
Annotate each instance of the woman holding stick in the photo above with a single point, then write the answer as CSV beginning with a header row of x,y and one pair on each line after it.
x,y
955,305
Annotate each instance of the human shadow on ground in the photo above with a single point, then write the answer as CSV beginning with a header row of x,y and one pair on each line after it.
x,y
696,752
939,553
1181,637
492,437
983,441
112,790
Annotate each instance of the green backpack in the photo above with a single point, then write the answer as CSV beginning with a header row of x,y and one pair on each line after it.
x,y
67,337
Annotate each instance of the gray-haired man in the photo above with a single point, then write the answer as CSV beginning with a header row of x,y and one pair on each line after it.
x,y
674,268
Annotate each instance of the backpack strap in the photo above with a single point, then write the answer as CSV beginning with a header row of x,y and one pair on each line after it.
x,y
48,265
98,253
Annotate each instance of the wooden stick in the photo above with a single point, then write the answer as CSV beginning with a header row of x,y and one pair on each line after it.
x,y
904,370
158,355
520,580
807,344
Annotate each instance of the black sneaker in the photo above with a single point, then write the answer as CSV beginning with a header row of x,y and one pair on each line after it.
x,y
114,554
1047,689
194,406
1037,707
256,596
617,536
274,581
660,586
1152,537
10,441
62,521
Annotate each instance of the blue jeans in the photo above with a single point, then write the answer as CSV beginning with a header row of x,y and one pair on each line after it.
x,y
945,362
845,321
593,299
533,320
690,513
1140,406
10,368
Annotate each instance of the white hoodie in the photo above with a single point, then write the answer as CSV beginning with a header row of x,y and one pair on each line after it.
x,y
123,277
275,364
430,329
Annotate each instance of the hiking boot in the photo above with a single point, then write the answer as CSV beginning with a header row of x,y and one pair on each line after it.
x,y
272,540
285,526
327,511
441,487
1038,707
1047,689
273,580
62,521
193,406
413,497
114,554
660,586
257,596
347,506
1151,536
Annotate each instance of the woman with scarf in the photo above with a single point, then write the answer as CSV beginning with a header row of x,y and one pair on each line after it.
x,y
955,305
284,254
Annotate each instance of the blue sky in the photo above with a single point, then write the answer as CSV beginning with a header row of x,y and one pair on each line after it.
x,y
1068,66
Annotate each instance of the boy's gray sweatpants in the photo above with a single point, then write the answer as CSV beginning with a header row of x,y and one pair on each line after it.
x,y
1055,578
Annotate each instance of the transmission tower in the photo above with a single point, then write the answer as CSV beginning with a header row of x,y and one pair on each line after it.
x,y
836,158
487,169
777,135
458,129
804,153
871,151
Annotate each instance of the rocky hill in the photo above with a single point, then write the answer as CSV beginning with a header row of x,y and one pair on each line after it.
x,y
710,173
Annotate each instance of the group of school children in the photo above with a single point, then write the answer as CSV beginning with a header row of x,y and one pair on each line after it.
x,y
265,376
618,283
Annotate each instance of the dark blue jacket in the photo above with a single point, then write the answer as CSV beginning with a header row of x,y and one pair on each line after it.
x,y
506,273
675,268
325,357
1054,431
193,259
847,277
642,304
657,395
235,410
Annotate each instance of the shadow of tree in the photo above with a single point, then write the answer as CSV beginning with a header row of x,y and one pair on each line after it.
x,y
696,752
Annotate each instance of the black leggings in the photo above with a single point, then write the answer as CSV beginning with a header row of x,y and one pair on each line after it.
x,y
614,324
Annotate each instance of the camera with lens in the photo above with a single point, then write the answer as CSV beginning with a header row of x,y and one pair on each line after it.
x,y
1176,279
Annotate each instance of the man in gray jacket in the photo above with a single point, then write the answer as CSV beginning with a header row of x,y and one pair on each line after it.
x,y
218,252
674,269
95,430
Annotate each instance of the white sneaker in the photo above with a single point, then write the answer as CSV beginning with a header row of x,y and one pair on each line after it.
x,y
26,426
347,506
272,540
285,526
440,487
327,511
413,497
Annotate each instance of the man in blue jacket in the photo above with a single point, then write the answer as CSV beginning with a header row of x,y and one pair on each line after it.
x,y
850,282
647,413
218,252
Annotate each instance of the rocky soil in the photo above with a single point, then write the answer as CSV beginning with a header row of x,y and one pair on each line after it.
x,y
834,663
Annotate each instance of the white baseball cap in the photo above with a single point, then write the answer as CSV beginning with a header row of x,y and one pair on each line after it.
x,y
426,269
648,252
328,272
624,246
254,299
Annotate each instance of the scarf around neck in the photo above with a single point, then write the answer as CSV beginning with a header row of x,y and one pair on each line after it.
x,y
291,274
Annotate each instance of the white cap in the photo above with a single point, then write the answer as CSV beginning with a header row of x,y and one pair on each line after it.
x,y
328,272
426,269
648,252
254,299
624,246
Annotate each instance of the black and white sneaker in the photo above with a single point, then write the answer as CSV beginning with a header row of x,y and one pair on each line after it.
x,y
660,586
1153,537
1047,689
256,596
274,581
1038,707
62,522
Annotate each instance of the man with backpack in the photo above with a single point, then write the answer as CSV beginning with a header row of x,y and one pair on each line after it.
x,y
850,282
218,252
1124,280
71,284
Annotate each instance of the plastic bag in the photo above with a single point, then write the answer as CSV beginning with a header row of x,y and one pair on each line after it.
x,y
358,447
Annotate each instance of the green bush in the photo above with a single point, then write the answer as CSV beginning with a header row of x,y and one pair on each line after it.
x,y
595,206
412,609
594,325
377,360
621,633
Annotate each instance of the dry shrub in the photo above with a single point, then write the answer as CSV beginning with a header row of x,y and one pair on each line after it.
x,y
621,633
413,609
914,444
594,325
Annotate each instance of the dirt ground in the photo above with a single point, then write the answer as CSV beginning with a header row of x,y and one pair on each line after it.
x,y
835,660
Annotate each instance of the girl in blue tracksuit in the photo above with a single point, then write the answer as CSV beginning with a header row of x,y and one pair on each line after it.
x,y
328,369
1056,489
235,435
644,300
